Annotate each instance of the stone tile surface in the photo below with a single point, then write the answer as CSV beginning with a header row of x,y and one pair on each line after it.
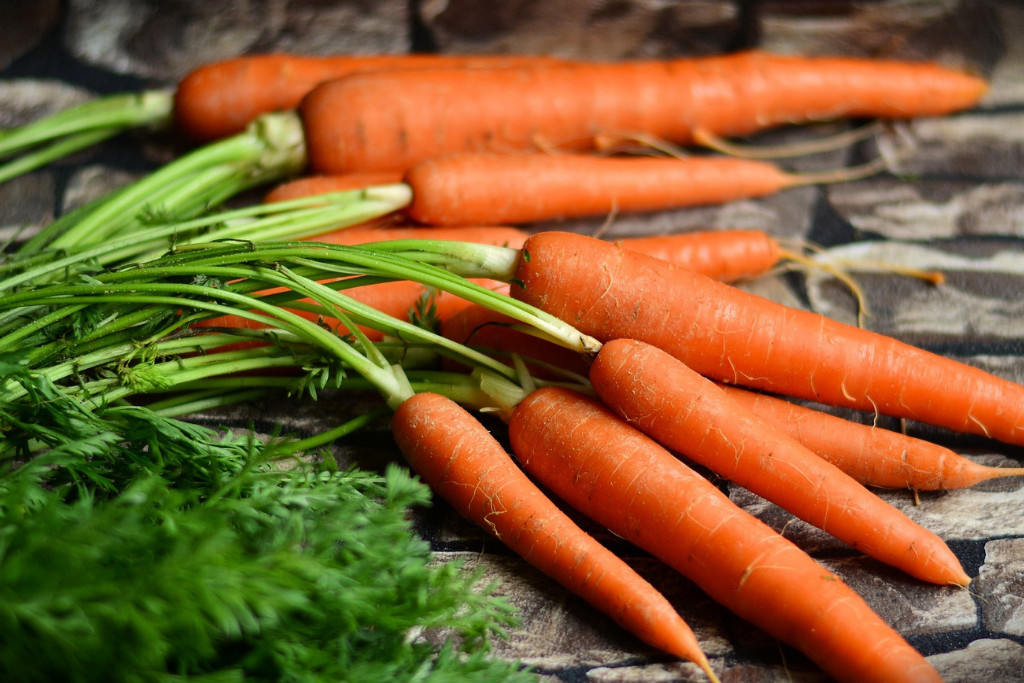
x,y
955,204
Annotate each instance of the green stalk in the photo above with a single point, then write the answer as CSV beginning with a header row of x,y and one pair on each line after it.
x,y
328,261
272,147
59,149
110,115
297,219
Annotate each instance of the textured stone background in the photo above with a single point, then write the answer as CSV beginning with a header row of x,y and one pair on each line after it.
x,y
955,202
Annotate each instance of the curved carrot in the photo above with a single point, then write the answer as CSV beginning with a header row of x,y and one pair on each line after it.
x,y
687,413
724,333
871,455
221,99
623,480
466,189
391,120
466,466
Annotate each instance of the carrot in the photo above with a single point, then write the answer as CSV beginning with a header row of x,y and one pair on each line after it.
x,y
313,186
391,120
481,234
221,99
689,414
723,255
466,189
626,482
466,466
726,334
871,455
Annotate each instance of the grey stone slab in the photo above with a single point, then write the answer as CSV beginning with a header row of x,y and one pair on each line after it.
x,y
986,659
967,514
761,672
977,301
932,210
584,29
24,100
676,672
23,24
1005,83
166,40
1000,586
972,144
560,630
93,182
889,28
26,205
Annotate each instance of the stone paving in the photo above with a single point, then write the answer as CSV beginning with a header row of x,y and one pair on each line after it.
x,y
955,203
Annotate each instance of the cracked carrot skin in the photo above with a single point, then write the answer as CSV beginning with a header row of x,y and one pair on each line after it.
x,y
688,413
625,481
735,337
871,455
466,466
391,120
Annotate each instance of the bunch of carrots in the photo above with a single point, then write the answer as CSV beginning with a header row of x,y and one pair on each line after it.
x,y
654,342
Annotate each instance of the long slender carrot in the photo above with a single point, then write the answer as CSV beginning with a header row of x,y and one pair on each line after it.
x,y
687,413
724,333
312,186
466,189
725,255
466,466
626,482
221,99
391,120
871,455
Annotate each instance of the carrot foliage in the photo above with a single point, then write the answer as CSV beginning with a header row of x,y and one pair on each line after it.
x,y
135,547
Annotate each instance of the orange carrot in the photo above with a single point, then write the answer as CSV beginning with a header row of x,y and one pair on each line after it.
x,y
871,455
391,120
724,333
624,481
312,186
221,99
466,466
466,189
689,414
723,255
497,235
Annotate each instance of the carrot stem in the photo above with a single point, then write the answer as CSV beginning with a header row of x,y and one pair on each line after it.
x,y
272,147
104,117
